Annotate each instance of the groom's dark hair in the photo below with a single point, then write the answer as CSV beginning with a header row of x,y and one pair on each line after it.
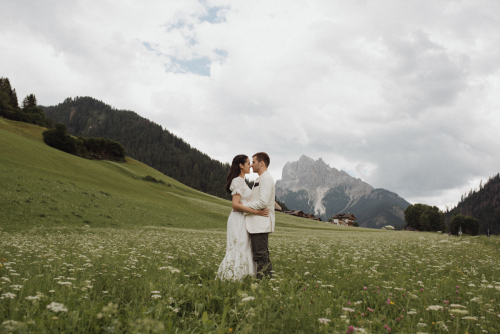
x,y
261,156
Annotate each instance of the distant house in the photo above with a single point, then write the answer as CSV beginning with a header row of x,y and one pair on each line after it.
x,y
344,219
299,213
410,228
277,207
296,213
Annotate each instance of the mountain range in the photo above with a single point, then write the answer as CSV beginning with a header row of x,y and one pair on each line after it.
x,y
314,187
308,185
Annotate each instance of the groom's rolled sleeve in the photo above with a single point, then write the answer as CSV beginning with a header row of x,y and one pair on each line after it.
x,y
266,187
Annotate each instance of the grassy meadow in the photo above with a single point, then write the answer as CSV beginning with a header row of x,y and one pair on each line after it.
x,y
90,247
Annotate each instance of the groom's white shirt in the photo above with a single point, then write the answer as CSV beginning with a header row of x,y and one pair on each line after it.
x,y
263,197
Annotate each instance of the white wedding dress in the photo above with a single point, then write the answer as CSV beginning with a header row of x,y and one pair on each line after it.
x,y
238,261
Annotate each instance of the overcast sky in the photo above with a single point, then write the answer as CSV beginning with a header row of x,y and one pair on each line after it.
x,y
403,94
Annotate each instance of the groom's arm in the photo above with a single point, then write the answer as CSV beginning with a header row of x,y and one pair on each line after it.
x,y
266,192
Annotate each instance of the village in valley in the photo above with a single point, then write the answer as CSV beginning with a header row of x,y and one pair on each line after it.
x,y
341,219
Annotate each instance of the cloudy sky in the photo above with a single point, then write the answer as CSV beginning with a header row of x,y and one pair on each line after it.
x,y
403,94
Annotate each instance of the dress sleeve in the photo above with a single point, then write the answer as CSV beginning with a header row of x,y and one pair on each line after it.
x,y
237,186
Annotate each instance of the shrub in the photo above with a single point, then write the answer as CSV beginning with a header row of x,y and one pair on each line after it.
x,y
149,178
58,138
83,147
424,217
469,225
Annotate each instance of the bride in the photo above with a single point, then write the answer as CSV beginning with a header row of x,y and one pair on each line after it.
x,y
238,261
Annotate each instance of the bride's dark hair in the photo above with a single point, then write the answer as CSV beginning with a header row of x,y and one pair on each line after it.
x,y
234,170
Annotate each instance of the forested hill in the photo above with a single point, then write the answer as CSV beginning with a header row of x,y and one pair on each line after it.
x,y
143,140
482,204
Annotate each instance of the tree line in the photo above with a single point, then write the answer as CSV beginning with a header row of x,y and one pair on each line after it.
x,y
483,204
28,112
143,140
428,218
90,148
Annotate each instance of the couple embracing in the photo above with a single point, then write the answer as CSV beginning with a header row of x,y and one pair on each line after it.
x,y
251,220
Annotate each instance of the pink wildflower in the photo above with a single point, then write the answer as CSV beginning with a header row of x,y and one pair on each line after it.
x,y
446,302
388,301
349,303
458,287
421,289
364,288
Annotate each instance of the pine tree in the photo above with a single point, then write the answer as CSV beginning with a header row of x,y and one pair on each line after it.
x,y
29,102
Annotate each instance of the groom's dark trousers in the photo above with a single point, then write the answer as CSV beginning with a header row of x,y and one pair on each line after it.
x,y
261,254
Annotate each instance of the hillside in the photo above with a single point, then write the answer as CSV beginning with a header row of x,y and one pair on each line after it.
x,y
143,140
482,204
42,186
314,187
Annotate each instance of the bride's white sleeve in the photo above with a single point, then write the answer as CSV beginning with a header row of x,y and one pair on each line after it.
x,y
237,186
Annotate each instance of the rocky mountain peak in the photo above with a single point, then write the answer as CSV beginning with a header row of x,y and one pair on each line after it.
x,y
310,174
315,187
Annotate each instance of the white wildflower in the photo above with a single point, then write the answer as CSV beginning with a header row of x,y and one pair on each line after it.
x,y
57,307
324,320
457,305
346,309
65,283
32,298
8,295
434,308
246,299
11,326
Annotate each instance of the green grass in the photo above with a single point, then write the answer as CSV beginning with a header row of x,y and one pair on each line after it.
x,y
42,185
123,255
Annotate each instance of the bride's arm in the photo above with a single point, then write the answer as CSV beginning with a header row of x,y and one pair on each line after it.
x,y
237,206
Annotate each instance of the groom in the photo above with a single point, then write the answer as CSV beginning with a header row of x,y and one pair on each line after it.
x,y
263,196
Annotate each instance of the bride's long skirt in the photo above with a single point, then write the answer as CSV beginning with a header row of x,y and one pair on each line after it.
x,y
238,261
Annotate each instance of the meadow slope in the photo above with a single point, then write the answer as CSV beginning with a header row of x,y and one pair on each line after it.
x,y
42,185
90,247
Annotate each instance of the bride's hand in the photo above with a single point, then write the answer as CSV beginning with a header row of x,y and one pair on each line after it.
x,y
263,213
